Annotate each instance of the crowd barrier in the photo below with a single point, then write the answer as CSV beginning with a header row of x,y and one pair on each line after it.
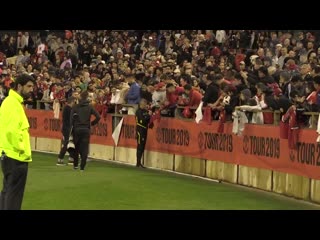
x,y
259,158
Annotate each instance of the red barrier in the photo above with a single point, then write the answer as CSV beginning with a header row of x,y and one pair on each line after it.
x,y
191,139
42,124
260,145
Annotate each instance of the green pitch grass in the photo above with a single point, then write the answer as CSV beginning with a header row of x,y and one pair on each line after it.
x,y
106,185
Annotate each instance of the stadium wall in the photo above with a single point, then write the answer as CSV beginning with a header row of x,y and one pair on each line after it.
x,y
239,160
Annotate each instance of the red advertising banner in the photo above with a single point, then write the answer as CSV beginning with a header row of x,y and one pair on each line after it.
x,y
128,132
191,139
42,124
259,146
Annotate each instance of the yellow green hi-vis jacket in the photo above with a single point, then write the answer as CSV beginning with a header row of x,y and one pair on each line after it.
x,y
14,128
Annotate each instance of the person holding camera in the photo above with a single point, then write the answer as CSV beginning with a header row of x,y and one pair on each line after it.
x,y
143,117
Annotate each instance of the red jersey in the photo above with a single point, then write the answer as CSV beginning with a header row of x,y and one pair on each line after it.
x,y
195,98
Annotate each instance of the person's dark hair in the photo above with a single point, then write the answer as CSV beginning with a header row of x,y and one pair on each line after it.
x,y
130,75
295,78
252,102
316,79
164,77
285,75
23,79
294,93
169,85
187,87
71,99
316,69
264,70
210,77
218,77
186,78
84,95
258,61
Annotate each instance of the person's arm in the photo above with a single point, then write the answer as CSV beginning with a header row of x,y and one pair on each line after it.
x,y
147,116
97,115
72,117
233,103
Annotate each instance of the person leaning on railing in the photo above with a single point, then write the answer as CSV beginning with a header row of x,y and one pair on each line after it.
x,y
301,107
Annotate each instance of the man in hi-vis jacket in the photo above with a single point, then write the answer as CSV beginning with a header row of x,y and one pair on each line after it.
x,y
15,143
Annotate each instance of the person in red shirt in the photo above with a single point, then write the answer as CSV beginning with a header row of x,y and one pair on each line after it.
x,y
314,98
172,96
194,96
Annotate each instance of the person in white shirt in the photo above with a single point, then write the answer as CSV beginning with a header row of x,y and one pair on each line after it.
x,y
221,36
159,94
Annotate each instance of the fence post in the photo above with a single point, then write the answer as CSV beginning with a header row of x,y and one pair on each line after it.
x,y
38,104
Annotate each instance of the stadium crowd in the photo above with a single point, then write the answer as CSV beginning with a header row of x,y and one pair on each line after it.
x,y
227,70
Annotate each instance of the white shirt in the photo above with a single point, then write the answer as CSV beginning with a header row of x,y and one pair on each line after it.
x,y
115,97
220,36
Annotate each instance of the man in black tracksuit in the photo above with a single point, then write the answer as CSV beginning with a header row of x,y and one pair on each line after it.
x,y
66,128
142,121
80,119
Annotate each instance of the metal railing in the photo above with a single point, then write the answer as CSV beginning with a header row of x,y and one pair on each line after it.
x,y
313,120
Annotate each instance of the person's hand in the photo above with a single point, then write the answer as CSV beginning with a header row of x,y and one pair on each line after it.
x,y
244,74
294,108
150,112
302,99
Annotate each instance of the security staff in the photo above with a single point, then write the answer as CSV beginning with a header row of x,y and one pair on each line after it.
x,y
142,121
66,128
15,143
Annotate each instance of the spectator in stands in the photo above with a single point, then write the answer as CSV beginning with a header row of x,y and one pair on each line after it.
x,y
212,91
194,96
172,95
133,95
305,72
185,79
111,58
158,94
314,98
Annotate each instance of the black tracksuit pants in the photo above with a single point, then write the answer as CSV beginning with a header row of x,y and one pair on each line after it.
x,y
141,143
14,181
81,138
64,147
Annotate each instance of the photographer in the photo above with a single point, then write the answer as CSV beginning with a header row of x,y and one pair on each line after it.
x,y
142,121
